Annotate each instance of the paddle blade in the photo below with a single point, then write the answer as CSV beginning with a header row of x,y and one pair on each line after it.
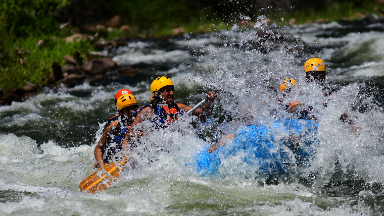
x,y
102,178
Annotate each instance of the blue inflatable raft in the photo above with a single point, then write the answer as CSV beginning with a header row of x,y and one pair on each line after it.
x,y
267,149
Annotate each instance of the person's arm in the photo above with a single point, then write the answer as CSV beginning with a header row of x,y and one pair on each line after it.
x,y
143,115
101,144
201,112
221,142
294,106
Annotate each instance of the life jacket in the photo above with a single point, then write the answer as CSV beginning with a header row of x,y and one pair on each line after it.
x,y
164,114
114,145
306,114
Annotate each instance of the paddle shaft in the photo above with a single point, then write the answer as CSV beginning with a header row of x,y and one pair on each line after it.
x,y
195,107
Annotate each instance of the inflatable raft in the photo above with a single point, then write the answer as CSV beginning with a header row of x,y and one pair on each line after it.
x,y
267,149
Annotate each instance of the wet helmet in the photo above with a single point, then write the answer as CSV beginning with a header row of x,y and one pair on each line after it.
x,y
159,83
288,83
125,100
314,64
121,92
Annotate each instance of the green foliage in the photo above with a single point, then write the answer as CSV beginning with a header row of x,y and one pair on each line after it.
x,y
193,27
342,10
21,18
24,22
118,33
156,14
24,61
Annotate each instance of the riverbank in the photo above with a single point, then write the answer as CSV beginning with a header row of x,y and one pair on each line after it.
x,y
71,55
29,64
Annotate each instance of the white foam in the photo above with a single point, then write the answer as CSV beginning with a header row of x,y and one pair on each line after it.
x,y
47,175
134,57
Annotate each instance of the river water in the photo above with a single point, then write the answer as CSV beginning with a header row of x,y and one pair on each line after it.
x,y
47,141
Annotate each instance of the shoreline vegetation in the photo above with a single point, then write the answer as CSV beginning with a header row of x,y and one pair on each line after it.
x,y
54,42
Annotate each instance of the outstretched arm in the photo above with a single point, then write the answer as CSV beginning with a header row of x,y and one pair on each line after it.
x,y
206,110
221,142
143,115
294,106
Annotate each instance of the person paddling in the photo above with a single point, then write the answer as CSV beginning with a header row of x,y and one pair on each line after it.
x,y
293,107
113,118
163,110
315,72
285,90
111,142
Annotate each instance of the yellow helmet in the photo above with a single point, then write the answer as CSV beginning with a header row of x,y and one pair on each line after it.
x,y
159,83
314,64
125,100
288,83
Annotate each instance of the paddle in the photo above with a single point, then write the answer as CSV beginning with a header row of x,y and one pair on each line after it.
x,y
102,178
195,107
106,175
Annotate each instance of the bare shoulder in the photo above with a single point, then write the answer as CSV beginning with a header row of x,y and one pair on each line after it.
x,y
144,112
113,125
183,106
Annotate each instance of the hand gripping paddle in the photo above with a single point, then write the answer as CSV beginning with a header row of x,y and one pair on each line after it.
x,y
195,107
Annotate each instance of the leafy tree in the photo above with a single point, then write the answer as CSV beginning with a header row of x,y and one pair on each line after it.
x,y
21,18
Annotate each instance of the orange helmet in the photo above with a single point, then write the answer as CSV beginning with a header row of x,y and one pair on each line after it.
x,y
288,83
121,92
125,100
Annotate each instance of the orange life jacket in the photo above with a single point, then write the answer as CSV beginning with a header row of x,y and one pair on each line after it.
x,y
165,115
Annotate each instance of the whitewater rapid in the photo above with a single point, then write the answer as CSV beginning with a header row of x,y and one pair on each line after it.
x,y
47,142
